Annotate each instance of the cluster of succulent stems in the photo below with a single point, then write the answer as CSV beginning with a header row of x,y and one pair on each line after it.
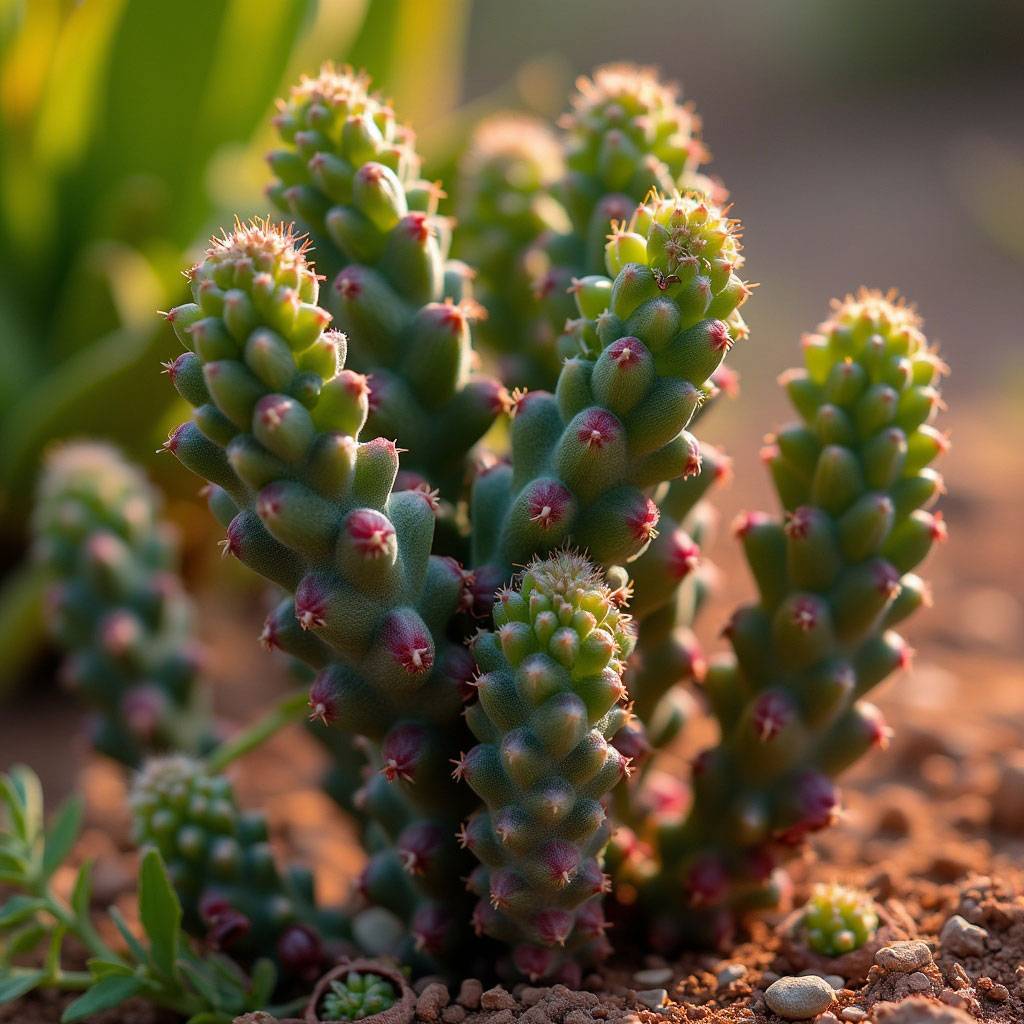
x,y
501,639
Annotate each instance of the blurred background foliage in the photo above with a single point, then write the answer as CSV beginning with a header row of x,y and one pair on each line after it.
x,y
862,141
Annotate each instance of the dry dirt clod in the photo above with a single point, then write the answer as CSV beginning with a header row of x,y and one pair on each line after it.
x,y
799,998
904,957
470,992
919,1011
961,938
497,998
453,1014
433,999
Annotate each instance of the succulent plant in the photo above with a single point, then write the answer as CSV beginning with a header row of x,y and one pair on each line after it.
x,y
625,134
308,506
222,867
583,460
612,273
349,175
507,178
835,575
358,996
117,605
549,701
838,919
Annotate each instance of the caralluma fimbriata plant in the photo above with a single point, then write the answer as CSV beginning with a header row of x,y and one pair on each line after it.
x,y
311,508
650,337
835,574
549,700
626,133
348,174
543,664
223,869
116,604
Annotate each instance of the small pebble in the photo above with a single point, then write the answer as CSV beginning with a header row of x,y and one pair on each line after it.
x,y
833,979
799,998
653,977
961,938
828,1017
433,999
854,1013
453,1014
730,973
497,998
652,998
469,993
531,996
904,957
919,982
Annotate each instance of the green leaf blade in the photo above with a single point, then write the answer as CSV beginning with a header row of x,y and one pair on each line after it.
x,y
61,835
104,995
160,912
15,984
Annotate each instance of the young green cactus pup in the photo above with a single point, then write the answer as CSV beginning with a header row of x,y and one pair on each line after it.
x,y
358,996
835,575
117,605
838,919
220,861
550,699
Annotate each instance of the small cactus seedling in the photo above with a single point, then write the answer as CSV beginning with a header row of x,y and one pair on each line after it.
x,y
358,996
117,605
219,859
838,919
835,575
549,701
348,174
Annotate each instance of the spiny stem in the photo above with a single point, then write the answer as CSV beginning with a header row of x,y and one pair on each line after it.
x,y
290,709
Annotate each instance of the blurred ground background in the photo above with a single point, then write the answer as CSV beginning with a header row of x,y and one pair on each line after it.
x,y
863,142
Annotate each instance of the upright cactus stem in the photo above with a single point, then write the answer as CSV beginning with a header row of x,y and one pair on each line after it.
x,y
348,173
625,134
117,605
671,581
651,336
835,575
220,861
506,206
313,509
549,701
